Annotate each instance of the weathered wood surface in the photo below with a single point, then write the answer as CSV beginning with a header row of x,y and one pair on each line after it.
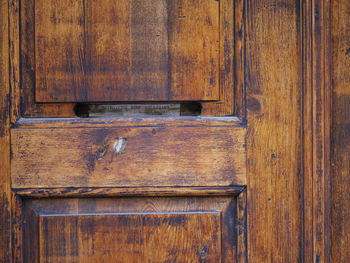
x,y
5,194
273,136
131,229
163,121
225,106
316,118
340,31
126,50
128,191
27,58
84,157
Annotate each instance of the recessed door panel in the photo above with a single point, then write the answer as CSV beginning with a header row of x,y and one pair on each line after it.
x,y
158,229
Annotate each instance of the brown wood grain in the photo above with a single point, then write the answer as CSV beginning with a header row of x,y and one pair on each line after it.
x,y
5,194
27,57
131,229
59,49
280,59
160,156
128,191
110,122
316,109
340,47
225,106
273,138
130,51
150,50
241,217
240,59
194,49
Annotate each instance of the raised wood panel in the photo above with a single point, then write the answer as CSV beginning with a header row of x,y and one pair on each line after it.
x,y
228,44
159,229
160,156
126,50
121,238
27,63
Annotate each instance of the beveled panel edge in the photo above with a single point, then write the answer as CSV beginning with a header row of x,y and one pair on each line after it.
x,y
185,121
128,191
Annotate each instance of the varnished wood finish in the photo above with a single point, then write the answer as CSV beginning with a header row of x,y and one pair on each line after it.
x,y
316,109
152,157
129,191
131,229
225,106
5,194
340,48
240,59
273,79
126,51
135,237
27,59
281,61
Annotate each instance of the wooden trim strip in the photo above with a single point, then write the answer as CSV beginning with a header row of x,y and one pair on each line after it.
x,y
5,191
316,114
242,247
128,191
129,122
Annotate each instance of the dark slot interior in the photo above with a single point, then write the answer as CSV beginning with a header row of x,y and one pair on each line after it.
x,y
84,110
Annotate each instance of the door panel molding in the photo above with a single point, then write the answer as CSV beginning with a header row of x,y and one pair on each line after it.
x,y
316,130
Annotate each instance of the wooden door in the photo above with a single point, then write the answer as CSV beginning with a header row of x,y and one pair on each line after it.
x,y
165,131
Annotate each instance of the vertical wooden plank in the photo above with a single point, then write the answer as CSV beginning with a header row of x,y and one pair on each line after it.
x,y
60,50
316,103
242,227
5,195
240,48
31,233
149,47
225,106
127,50
273,140
28,106
17,227
107,50
340,48
194,49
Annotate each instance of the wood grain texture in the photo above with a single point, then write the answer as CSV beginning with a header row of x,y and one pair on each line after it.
x,y
240,59
59,48
84,157
131,229
27,57
316,108
5,194
155,238
194,45
340,47
126,51
273,138
241,217
128,191
225,106
16,228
